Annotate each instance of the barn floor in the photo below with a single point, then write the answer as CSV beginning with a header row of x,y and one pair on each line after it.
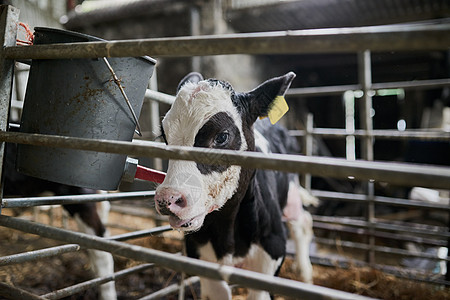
x,y
50,274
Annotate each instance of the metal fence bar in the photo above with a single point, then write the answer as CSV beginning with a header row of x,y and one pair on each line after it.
x,y
173,288
380,249
328,40
413,274
367,151
14,293
330,90
425,230
396,271
158,96
183,264
308,146
9,17
395,173
378,134
408,37
142,213
141,233
322,90
57,250
77,288
75,199
380,234
413,84
337,196
37,254
340,89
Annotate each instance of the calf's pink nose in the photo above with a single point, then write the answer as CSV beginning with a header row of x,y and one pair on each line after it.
x,y
169,202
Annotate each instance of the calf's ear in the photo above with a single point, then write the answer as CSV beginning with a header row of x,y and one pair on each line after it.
x,y
193,77
260,100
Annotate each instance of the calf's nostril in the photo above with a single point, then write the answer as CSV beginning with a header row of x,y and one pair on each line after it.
x,y
164,210
180,202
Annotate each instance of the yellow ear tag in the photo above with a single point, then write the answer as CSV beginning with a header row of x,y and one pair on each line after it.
x,y
279,108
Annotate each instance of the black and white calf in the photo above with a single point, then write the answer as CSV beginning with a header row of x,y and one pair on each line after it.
x,y
233,215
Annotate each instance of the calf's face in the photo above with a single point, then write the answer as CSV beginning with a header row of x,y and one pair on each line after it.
x,y
209,114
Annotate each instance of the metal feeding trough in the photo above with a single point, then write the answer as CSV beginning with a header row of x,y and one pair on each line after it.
x,y
87,98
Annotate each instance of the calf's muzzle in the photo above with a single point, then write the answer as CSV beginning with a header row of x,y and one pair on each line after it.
x,y
170,202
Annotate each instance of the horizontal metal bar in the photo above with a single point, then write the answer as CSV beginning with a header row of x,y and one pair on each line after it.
x,y
380,249
426,230
413,84
14,293
413,274
410,203
138,212
380,234
37,254
378,200
181,263
329,90
173,288
341,89
400,272
158,96
141,233
322,90
57,250
395,173
328,40
77,288
74,199
431,135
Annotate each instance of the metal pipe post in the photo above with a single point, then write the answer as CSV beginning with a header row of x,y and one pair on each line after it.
x,y
155,116
9,18
309,145
365,79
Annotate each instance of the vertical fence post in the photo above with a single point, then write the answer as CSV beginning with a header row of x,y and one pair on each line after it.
x,y
365,79
350,140
309,145
9,17
155,123
155,115
195,22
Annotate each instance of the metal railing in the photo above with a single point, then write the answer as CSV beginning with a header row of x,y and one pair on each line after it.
x,y
380,38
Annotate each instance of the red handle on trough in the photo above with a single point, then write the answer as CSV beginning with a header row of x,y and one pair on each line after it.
x,y
148,174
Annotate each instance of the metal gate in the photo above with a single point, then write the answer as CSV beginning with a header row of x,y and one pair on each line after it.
x,y
360,40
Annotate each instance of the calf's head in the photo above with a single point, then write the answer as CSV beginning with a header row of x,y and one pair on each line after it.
x,y
210,114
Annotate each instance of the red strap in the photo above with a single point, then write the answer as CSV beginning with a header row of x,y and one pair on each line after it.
x,y
149,174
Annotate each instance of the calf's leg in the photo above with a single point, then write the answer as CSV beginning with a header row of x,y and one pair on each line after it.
x,y
301,233
260,261
300,226
214,289
102,262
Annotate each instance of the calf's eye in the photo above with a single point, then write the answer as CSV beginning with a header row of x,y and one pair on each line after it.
x,y
221,138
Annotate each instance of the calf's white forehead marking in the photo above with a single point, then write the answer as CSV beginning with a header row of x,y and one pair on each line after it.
x,y
194,105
